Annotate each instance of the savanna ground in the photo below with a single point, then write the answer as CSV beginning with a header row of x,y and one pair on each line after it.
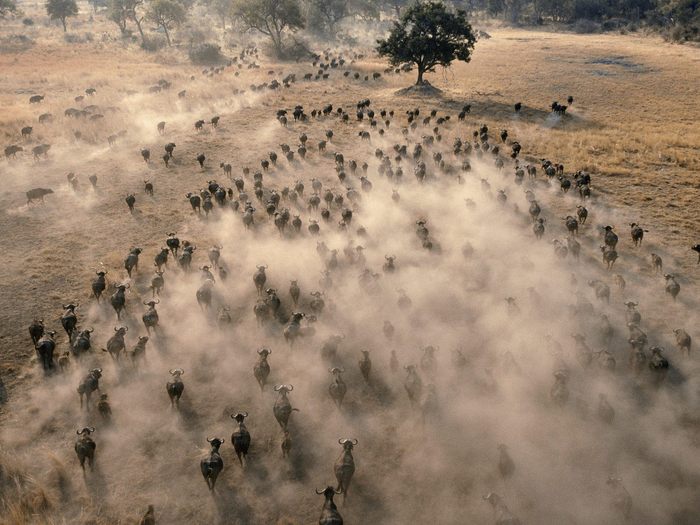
x,y
633,125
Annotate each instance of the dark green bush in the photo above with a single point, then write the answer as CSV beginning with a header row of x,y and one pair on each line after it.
x,y
206,53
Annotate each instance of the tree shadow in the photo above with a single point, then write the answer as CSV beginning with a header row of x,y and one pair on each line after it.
x,y
489,108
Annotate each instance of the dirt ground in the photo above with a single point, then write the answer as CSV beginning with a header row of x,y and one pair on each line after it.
x,y
633,126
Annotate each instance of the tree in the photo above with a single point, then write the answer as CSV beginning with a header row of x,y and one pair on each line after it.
x,y
135,13
366,10
396,5
428,35
167,14
7,7
121,12
118,13
326,14
96,4
270,17
61,9
223,9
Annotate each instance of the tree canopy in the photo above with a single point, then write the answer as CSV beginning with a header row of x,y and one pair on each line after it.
x,y
326,14
166,14
7,7
61,9
270,17
428,35
121,12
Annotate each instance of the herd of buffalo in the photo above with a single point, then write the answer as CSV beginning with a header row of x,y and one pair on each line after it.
x,y
422,149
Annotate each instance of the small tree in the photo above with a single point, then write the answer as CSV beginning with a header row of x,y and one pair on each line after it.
x,y
118,12
270,17
167,14
96,4
61,9
326,14
428,35
396,5
366,10
121,12
7,7
223,9
136,13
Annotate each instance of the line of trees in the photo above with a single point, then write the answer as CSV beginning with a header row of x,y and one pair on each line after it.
x,y
657,12
277,18
166,15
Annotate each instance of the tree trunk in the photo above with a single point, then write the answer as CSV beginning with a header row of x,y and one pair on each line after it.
x,y
277,42
63,21
138,26
167,35
420,76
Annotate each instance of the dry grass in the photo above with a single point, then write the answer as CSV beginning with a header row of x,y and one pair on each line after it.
x,y
22,498
633,121
633,124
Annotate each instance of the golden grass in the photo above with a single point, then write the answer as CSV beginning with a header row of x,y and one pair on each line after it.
x,y
22,498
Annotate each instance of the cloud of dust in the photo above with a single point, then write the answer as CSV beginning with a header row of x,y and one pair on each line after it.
x,y
432,460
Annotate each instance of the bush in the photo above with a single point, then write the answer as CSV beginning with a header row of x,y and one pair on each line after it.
x,y
688,33
294,49
154,43
15,43
585,26
193,36
614,23
205,54
74,38
589,9
28,22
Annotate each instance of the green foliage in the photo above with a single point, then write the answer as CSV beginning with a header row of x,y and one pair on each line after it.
x,y
394,5
428,35
119,13
270,17
365,9
205,54
96,4
166,14
683,17
223,9
324,15
7,7
61,9
589,9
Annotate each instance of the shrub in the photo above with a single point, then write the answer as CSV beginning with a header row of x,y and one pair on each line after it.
x,y
28,21
75,38
15,43
71,38
294,49
205,54
585,26
589,9
679,33
154,43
